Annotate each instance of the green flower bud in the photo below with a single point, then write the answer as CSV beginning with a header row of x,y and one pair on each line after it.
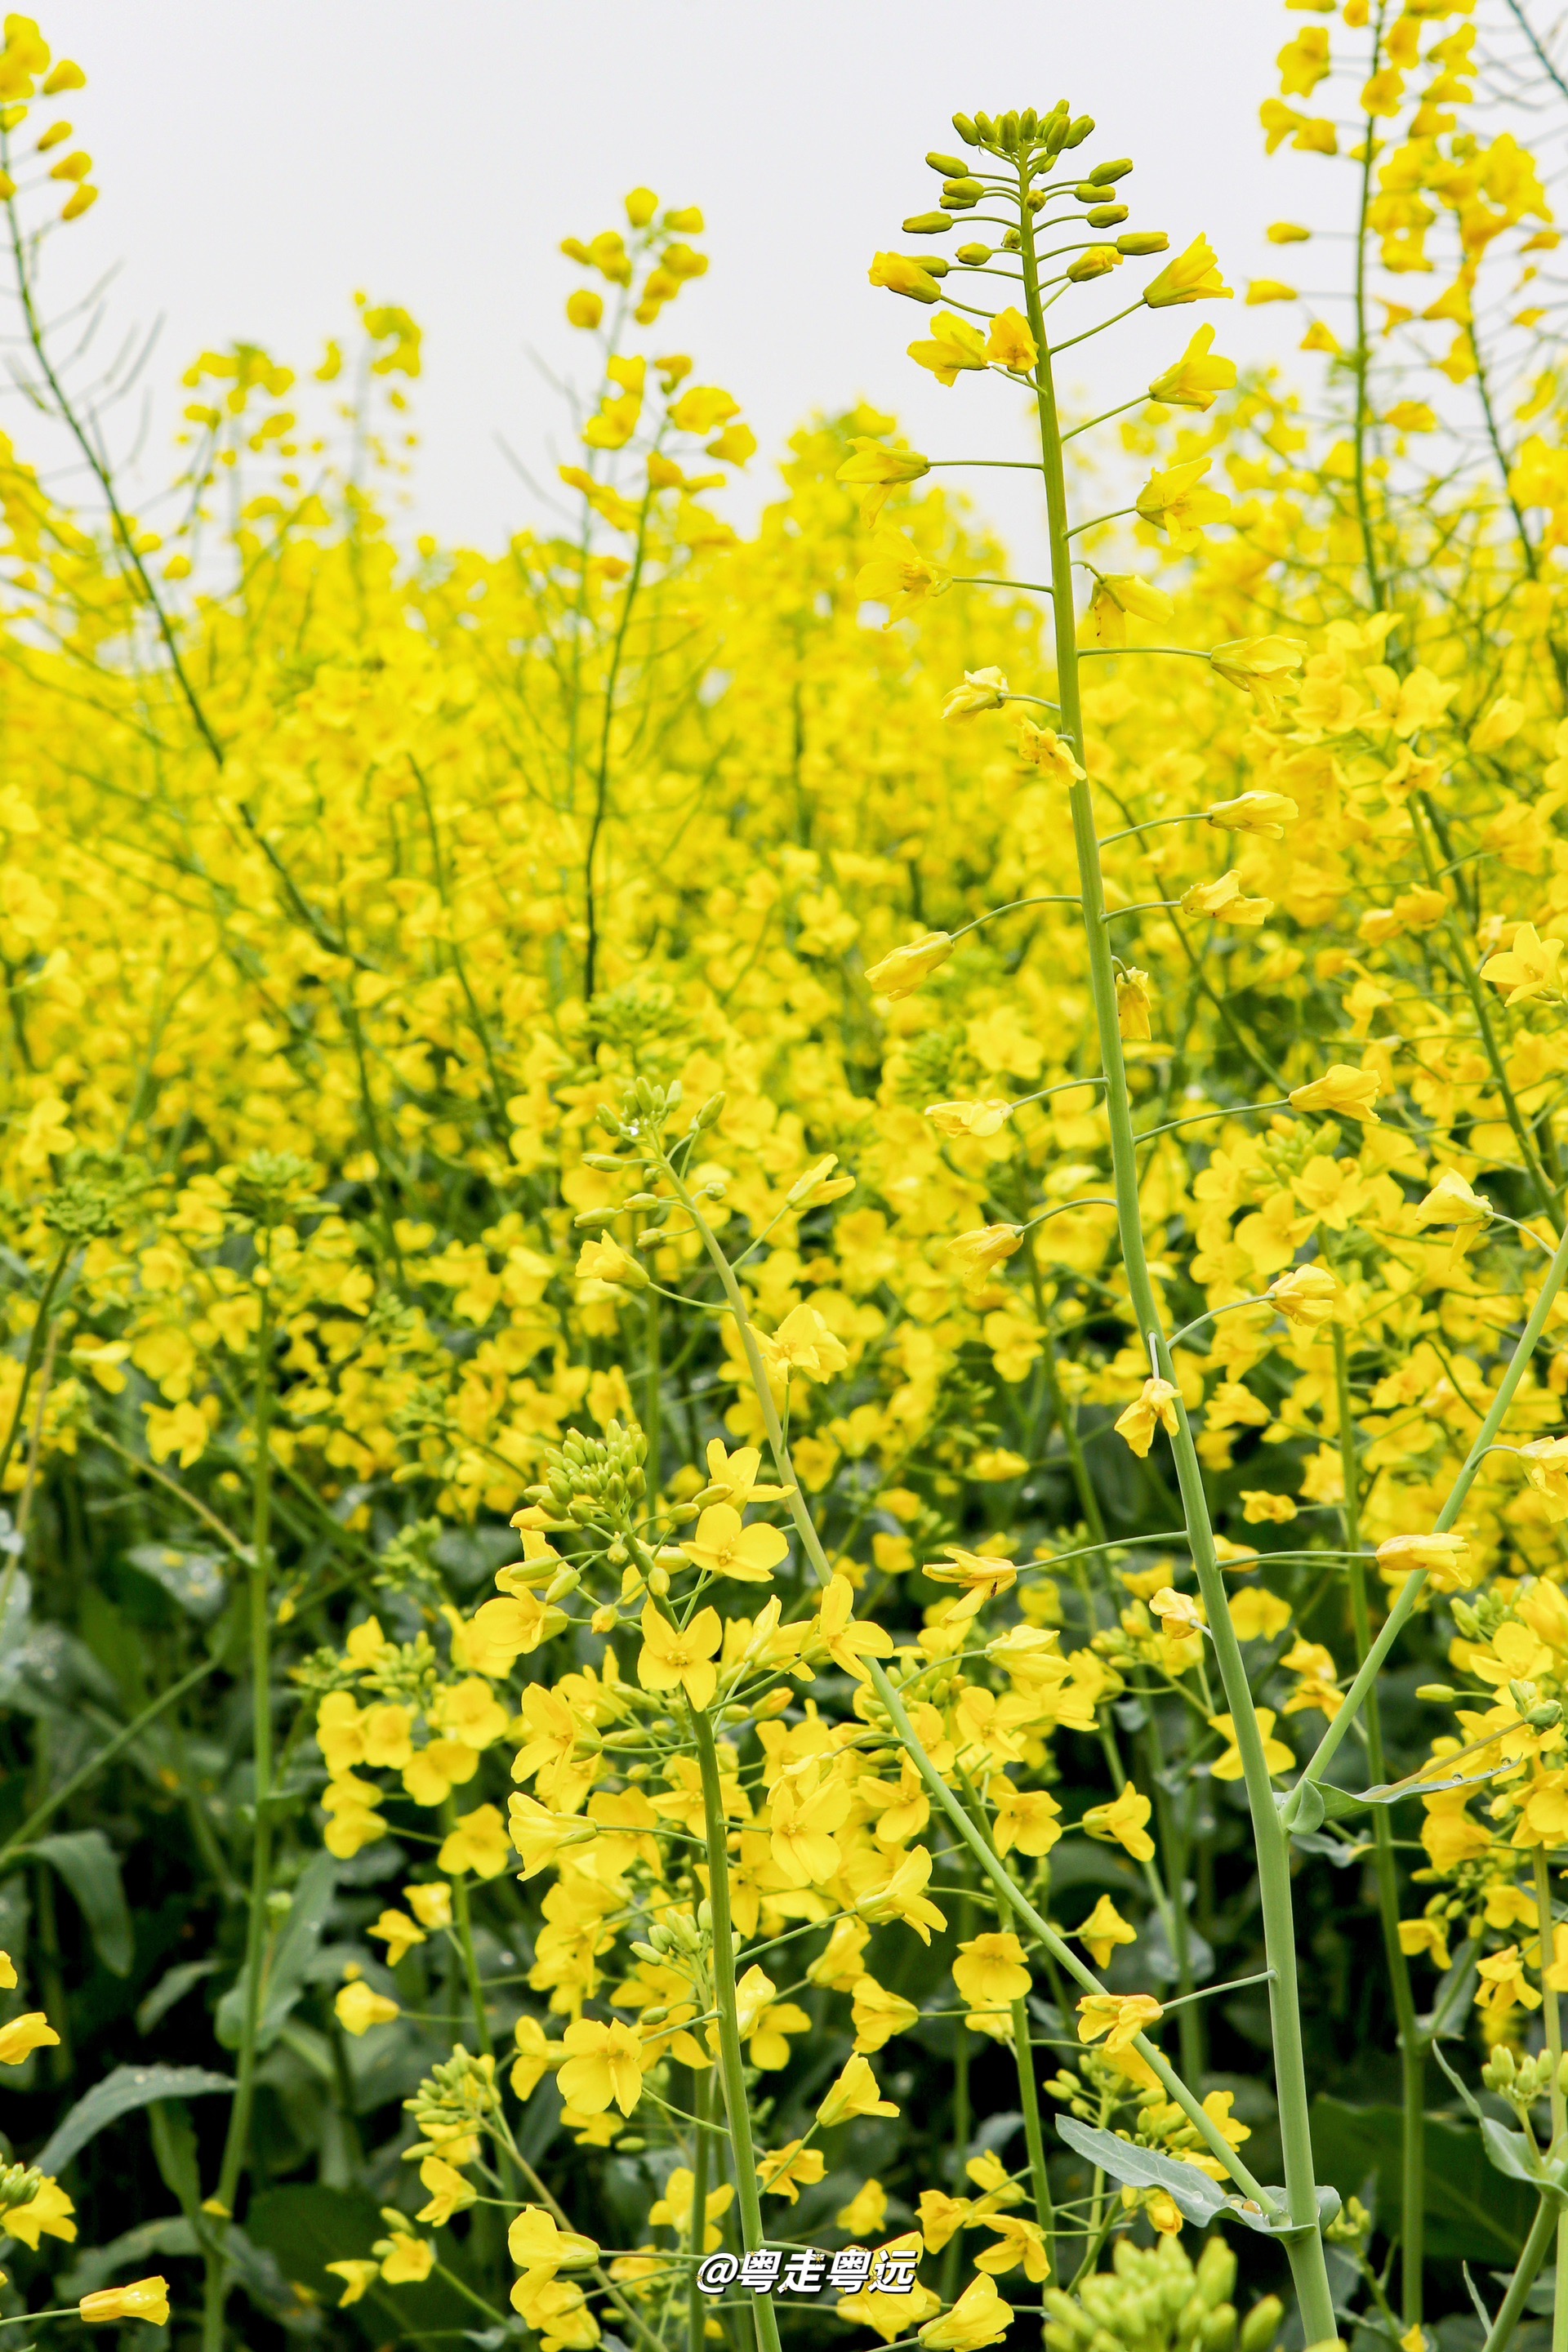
x,y
1216,2273
927,225
959,203
949,166
1261,2325
1143,240
971,190
1104,173
1217,2330
971,257
1078,130
1010,132
986,128
1107,215
964,126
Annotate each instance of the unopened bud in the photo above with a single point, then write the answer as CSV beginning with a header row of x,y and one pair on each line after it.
x,y
1103,175
973,257
959,203
1143,240
1107,215
927,225
986,128
1079,129
950,166
1546,1717
560,1585
595,1217
1437,1694
1260,2326
658,1581
967,130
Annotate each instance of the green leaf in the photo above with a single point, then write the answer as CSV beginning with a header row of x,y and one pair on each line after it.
x,y
90,1868
116,2096
1510,2150
287,1967
194,1578
174,2151
1192,2191
170,1988
1473,2214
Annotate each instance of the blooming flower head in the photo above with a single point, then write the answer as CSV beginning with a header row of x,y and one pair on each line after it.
x,y
1261,665
1124,1824
1103,1930
878,468
900,273
979,2317
145,2298
953,346
978,1118
681,1660
1261,812
1344,1092
1117,2019
1197,380
983,690
803,1343
899,575
1305,1296
989,1971
1154,1407
1193,277
603,2062
853,2094
1050,753
1134,1005
723,1546
358,2006
980,1253
1010,344
900,971
1444,1558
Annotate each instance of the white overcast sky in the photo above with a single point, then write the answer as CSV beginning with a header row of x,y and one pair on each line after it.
x,y
260,159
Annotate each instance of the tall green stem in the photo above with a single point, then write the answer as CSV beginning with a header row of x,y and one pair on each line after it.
x,y
1304,2245
1534,2254
1412,2047
732,2065
237,2141
1034,2139
1554,2023
697,2303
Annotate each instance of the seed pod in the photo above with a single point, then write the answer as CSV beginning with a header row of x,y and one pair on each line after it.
x,y
1104,173
1079,130
1143,240
950,166
1107,215
927,225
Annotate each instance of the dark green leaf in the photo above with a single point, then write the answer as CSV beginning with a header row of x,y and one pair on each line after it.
x,y
90,1868
116,2096
1473,2214
288,1969
1192,2191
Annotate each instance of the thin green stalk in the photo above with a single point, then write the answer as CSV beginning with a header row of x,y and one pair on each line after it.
x,y
35,1344
1034,2139
1524,2279
237,2141
1304,2245
963,2121
1552,2020
1065,1414
731,2062
1414,1585
1412,2047
1362,413
697,2301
